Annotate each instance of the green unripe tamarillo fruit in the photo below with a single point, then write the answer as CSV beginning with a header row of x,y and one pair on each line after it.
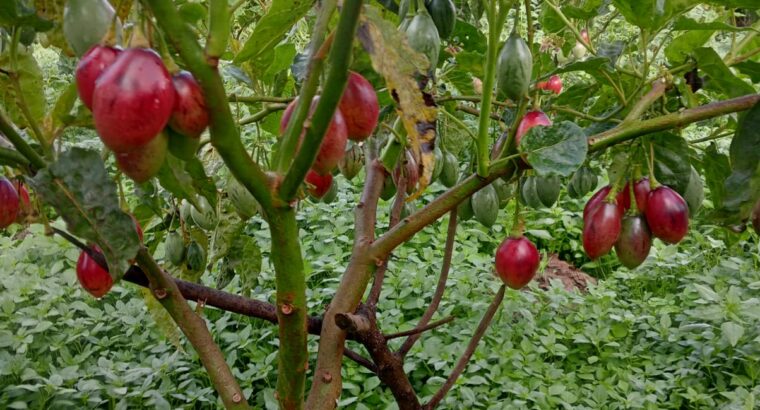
x,y
540,192
485,205
422,36
584,180
332,193
174,248
450,171
464,210
503,190
195,261
86,22
444,15
205,217
438,167
245,204
514,69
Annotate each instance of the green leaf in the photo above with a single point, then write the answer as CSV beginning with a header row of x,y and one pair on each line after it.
x,y
556,150
732,332
17,13
685,23
162,319
550,20
590,65
186,179
742,187
31,83
245,259
651,14
270,30
682,46
79,188
721,77
750,68
671,160
282,58
202,183
716,171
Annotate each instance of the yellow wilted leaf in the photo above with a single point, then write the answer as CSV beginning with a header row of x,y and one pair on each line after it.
x,y
401,66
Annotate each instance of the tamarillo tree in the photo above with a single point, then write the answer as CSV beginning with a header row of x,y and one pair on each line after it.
x,y
188,98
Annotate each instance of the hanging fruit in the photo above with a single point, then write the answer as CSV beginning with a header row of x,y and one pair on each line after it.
x,y
90,67
485,205
9,203
86,22
601,229
333,146
190,115
667,214
634,242
422,36
444,15
517,261
514,70
359,107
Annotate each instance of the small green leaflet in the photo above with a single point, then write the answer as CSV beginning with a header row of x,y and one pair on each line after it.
x,y
556,150
742,187
79,188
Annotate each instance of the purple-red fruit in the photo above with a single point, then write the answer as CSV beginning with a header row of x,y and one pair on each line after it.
x,y
632,247
530,120
133,100
9,203
90,67
190,114
359,107
667,214
317,184
333,146
142,163
623,200
517,261
601,229
93,278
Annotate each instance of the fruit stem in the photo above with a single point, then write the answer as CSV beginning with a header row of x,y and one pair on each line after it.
x,y
166,56
634,210
650,162
495,24
340,56
138,39
218,30
517,225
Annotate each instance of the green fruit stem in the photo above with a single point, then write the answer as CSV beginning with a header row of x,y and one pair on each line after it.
x,y
218,29
284,155
165,290
340,56
495,24
7,129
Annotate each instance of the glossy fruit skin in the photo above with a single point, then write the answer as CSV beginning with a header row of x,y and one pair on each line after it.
x,y
351,163
464,210
601,229
632,247
444,15
25,204
422,36
195,258
485,205
245,204
438,167
389,188
694,194
317,184
190,114
515,66
90,67
667,214
332,193
93,278
333,146
204,216
623,200
450,171
503,191
584,180
174,248
553,84
517,261
143,163
9,203
133,100
530,120
540,192
86,22
410,170
359,107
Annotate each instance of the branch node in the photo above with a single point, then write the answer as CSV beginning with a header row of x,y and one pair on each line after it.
x,y
326,377
237,398
287,309
352,323
160,293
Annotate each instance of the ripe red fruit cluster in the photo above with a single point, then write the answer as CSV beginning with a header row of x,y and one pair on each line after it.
x,y
14,202
662,212
93,277
517,261
359,107
553,84
318,185
133,98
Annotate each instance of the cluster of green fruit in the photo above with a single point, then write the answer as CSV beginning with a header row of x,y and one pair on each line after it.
x,y
15,204
627,219
139,108
428,26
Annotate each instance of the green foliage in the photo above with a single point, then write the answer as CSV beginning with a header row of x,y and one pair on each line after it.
x,y
555,150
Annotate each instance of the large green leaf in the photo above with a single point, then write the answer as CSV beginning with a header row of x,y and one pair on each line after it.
x,y
270,30
751,69
556,150
743,185
79,188
652,14
682,46
30,81
19,13
721,77
685,23
716,170
671,160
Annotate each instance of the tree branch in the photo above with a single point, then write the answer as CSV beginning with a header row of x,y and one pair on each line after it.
x,y
218,30
268,109
420,329
6,128
225,136
659,87
340,55
286,152
254,99
471,346
13,158
398,206
194,327
326,385
440,287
